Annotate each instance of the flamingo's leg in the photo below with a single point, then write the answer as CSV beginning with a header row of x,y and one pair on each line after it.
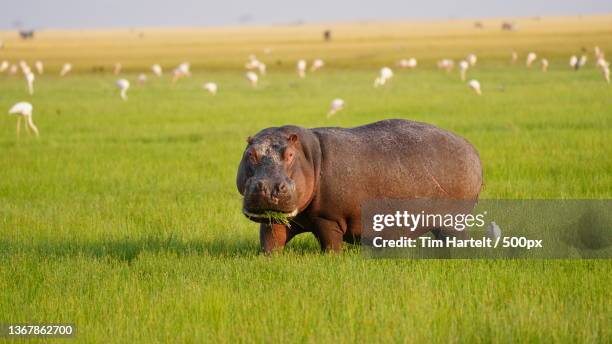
x,y
31,125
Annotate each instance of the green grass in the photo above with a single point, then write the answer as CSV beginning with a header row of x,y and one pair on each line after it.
x,y
124,218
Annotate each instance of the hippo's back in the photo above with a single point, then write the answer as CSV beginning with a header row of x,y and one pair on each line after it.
x,y
399,159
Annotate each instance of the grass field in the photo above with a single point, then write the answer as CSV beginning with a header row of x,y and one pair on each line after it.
x,y
124,218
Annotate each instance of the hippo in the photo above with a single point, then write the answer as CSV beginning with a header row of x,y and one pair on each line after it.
x,y
318,178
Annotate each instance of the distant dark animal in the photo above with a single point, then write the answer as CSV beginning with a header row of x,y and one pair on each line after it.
x,y
507,26
319,178
26,34
478,25
327,35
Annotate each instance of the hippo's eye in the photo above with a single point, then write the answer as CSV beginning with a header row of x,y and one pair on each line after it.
x,y
288,155
253,156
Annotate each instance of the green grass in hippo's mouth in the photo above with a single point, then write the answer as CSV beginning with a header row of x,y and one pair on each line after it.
x,y
277,217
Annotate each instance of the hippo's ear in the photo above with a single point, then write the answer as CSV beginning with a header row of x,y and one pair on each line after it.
x,y
249,140
292,138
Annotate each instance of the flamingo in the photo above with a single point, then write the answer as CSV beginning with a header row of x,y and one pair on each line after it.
x,y
211,87
598,52
530,58
316,65
602,63
463,67
262,68
336,105
142,78
24,111
255,64
66,68
253,78
606,73
514,57
407,63
301,68
30,80
25,69
582,61
544,64
475,85
472,59
494,232
157,69
385,75
4,66
573,62
123,86
181,71
446,64
39,67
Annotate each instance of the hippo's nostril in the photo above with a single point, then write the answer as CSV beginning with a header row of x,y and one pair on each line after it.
x,y
282,187
259,185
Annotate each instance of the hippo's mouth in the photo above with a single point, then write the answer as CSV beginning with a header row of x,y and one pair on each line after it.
x,y
272,216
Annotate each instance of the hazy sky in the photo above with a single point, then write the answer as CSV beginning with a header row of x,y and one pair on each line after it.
x,y
133,13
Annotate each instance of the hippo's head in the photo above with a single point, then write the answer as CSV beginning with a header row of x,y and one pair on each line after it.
x,y
276,173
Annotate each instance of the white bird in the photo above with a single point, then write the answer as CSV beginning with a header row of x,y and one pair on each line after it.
x,y
475,85
117,68
472,59
463,67
494,232
606,73
142,78
446,64
25,69
598,52
66,68
316,65
582,61
530,58
253,63
385,75
407,63
30,80
544,63
336,105
262,68
39,67
23,110
4,66
211,87
123,86
602,63
184,69
514,57
573,62
157,70
301,68
252,77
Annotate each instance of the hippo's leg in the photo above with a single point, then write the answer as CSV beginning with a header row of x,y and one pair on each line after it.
x,y
273,237
329,235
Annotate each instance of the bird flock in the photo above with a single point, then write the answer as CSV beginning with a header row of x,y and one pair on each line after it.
x,y
256,69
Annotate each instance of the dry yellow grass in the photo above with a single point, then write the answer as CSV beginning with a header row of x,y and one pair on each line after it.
x,y
364,44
